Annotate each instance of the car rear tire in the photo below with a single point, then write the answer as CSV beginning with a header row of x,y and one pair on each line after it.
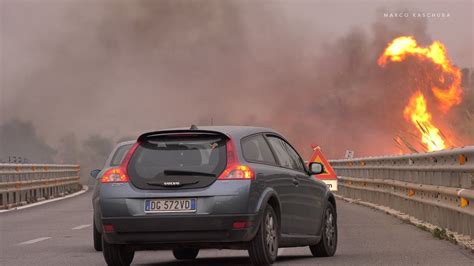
x,y
328,244
117,255
263,249
97,238
185,253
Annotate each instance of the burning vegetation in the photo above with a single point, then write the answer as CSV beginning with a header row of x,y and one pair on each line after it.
x,y
441,79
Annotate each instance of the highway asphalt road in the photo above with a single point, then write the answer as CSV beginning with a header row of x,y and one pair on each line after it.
x,y
59,233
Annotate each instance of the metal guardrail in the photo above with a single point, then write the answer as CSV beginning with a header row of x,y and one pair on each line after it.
x,y
437,187
21,184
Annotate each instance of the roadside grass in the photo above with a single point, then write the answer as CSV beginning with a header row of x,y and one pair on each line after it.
x,y
440,233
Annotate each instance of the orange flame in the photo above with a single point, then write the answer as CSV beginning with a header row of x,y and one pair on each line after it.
x,y
421,118
449,78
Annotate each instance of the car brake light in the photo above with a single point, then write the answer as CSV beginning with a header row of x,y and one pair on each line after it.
x,y
237,172
114,175
234,170
119,174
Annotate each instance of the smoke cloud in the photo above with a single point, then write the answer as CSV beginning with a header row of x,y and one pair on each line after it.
x,y
90,73
20,143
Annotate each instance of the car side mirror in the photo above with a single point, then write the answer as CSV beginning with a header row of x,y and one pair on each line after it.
x,y
316,168
95,173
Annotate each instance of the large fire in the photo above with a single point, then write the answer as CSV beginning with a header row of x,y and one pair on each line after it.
x,y
421,118
445,84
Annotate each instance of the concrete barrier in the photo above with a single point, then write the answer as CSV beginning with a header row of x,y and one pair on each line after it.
x,y
21,184
437,187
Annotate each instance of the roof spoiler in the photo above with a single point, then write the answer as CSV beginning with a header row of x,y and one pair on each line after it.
x,y
152,134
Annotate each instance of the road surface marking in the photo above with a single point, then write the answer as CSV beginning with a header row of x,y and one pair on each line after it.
x,y
280,251
81,226
32,241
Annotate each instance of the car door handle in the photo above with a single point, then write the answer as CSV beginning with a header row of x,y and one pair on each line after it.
x,y
296,182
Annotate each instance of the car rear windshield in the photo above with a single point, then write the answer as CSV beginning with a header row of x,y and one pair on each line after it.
x,y
178,155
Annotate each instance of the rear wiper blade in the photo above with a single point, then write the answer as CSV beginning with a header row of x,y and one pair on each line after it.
x,y
183,172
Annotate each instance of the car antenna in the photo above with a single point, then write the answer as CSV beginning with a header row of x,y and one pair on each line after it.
x,y
193,127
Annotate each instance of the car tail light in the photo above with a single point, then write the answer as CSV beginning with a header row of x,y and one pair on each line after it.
x,y
237,172
234,170
115,175
119,174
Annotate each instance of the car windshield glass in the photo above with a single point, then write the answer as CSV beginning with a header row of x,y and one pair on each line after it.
x,y
179,155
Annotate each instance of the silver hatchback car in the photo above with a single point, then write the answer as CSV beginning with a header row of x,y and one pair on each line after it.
x,y
211,187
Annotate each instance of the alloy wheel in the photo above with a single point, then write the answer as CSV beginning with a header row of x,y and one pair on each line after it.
x,y
330,228
271,234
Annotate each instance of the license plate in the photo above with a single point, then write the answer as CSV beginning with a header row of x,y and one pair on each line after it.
x,y
170,205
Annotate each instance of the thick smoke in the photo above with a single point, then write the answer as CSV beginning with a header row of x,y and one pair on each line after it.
x,y
20,143
92,72
90,154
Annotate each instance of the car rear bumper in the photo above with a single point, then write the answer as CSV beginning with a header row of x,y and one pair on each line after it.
x,y
180,229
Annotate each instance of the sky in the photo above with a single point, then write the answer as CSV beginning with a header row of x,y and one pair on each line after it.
x,y
119,68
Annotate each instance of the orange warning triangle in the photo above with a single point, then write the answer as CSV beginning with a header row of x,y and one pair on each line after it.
x,y
319,157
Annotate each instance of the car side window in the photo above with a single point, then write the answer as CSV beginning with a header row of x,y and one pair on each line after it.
x,y
281,153
294,155
120,155
256,149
